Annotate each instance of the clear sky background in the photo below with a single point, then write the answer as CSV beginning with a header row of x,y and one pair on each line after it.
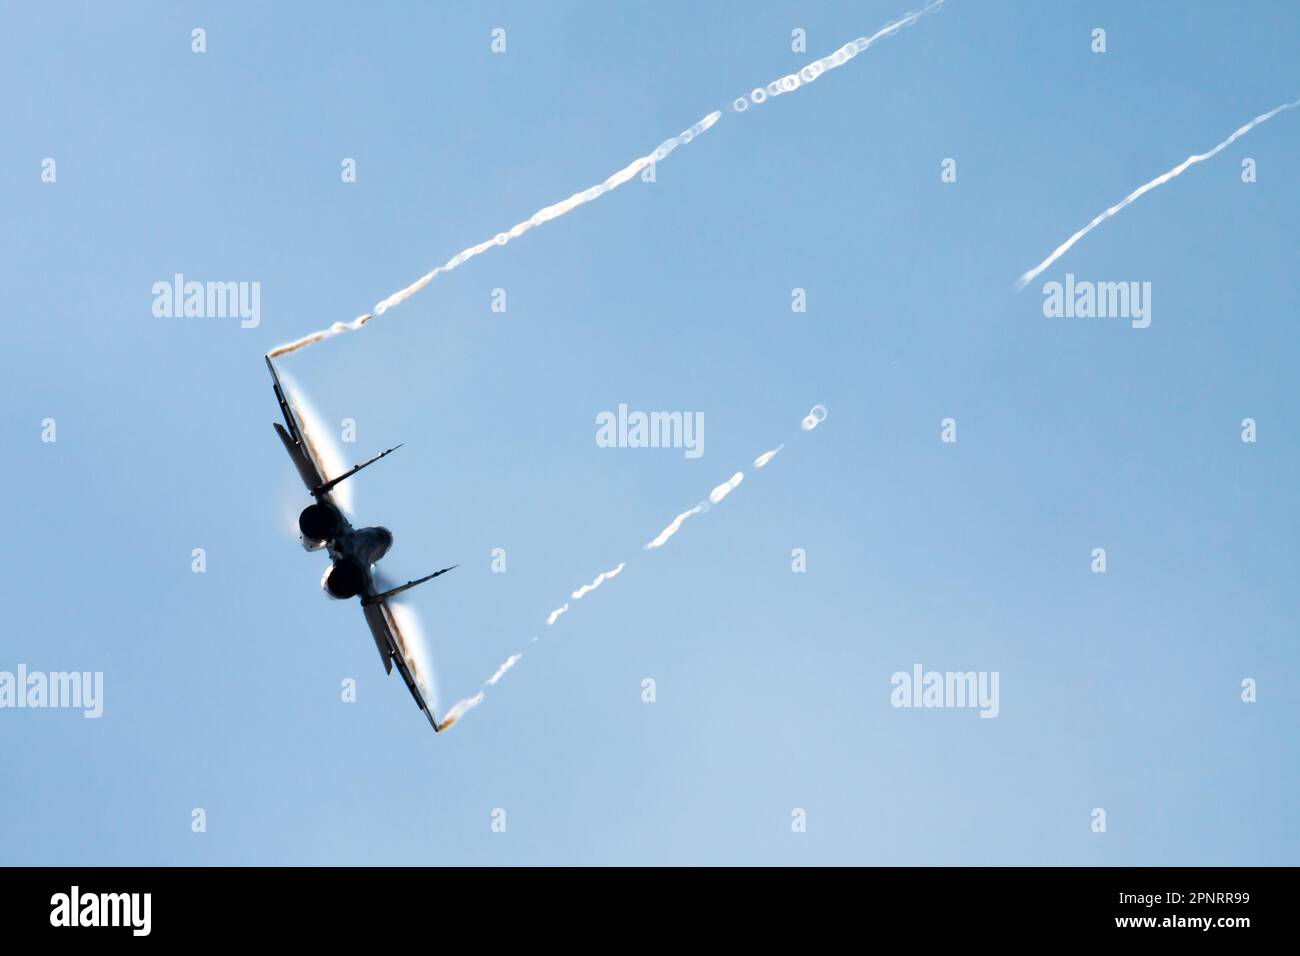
x,y
222,690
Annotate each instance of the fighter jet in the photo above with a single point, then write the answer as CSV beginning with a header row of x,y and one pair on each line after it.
x,y
353,551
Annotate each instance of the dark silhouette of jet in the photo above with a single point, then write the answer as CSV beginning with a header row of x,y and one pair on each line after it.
x,y
353,551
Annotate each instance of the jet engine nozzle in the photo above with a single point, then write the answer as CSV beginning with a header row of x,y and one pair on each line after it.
x,y
346,579
319,522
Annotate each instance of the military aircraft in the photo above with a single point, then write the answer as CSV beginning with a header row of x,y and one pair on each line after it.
x,y
353,551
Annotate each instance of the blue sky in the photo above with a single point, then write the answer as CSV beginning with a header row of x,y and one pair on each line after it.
x,y
222,689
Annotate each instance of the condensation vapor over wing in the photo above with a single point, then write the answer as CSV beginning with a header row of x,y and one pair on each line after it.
x,y
319,440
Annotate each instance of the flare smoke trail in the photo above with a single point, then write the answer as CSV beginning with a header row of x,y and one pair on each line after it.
x,y
792,81
673,527
577,595
809,422
716,495
815,417
726,488
1160,180
510,662
553,211
458,710
758,95
600,579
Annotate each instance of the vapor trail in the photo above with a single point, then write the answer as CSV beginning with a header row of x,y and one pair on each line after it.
x,y
715,496
726,488
326,333
809,422
546,214
414,647
786,84
600,579
1160,180
321,446
815,417
458,710
792,81
578,594
673,527
510,662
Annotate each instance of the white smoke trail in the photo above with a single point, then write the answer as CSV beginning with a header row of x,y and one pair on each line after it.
x,y
810,421
1160,180
469,703
510,662
715,496
816,416
786,84
792,81
546,214
459,708
726,488
600,579
578,594
326,333
673,527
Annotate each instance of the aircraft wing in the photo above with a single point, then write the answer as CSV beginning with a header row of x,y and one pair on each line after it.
x,y
309,469
393,650
298,443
